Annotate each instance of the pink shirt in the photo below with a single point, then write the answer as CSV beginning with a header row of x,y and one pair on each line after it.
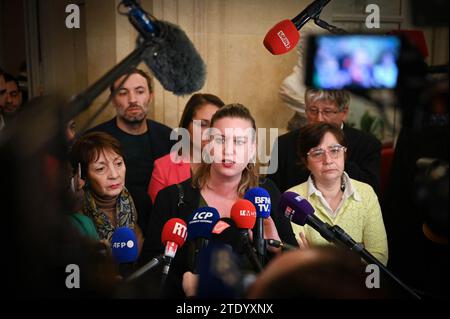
x,y
166,173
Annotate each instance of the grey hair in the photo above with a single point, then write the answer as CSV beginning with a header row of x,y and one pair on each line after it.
x,y
340,97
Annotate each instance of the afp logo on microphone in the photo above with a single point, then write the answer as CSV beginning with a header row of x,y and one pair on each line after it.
x,y
120,245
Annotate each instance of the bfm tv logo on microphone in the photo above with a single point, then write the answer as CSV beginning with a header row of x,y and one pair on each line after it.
x,y
284,39
263,203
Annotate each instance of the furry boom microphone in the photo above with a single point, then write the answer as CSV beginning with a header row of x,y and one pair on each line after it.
x,y
172,57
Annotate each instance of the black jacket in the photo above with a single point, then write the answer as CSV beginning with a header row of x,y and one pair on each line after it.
x,y
363,159
169,204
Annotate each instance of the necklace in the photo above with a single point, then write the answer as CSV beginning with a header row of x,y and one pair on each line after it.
x,y
343,183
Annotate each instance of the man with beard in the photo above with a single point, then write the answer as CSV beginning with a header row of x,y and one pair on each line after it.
x,y
12,100
2,97
142,140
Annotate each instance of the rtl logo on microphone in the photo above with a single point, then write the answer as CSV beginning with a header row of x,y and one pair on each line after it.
x,y
284,39
128,244
180,230
247,213
171,249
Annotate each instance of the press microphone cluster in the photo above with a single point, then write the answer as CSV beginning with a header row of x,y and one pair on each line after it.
x,y
284,36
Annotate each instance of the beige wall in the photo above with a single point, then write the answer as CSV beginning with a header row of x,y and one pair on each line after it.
x,y
227,33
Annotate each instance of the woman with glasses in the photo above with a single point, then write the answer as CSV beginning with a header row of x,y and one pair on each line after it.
x,y
336,198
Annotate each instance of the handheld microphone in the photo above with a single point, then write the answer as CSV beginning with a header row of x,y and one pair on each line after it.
x,y
260,198
284,36
220,274
173,235
173,58
124,245
243,213
300,212
226,232
200,226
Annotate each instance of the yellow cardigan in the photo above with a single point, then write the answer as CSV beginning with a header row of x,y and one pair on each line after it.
x,y
361,219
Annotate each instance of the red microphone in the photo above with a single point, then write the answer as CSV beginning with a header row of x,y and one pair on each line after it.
x,y
284,36
173,235
243,213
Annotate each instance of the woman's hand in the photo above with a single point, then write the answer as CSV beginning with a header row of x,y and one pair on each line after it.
x,y
190,284
271,232
302,241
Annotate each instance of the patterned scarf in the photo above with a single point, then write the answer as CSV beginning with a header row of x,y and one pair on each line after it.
x,y
125,213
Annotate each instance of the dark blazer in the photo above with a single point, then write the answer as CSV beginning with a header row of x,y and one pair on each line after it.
x,y
363,159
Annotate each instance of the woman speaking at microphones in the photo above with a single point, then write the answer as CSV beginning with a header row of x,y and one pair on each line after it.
x,y
227,171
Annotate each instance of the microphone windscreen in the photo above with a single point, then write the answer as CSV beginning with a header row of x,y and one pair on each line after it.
x,y
295,207
174,230
260,198
282,38
201,222
243,213
174,61
226,232
124,245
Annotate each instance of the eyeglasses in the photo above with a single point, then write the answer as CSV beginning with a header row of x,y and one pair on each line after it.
x,y
325,113
334,151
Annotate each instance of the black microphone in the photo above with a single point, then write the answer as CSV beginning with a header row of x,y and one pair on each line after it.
x,y
260,198
311,12
172,57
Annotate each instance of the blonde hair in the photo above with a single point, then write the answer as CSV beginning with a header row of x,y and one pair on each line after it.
x,y
250,176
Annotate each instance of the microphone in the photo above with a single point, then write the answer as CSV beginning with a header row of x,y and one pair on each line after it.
x,y
243,213
173,59
226,232
148,266
173,235
200,226
124,245
220,274
284,36
300,212
279,244
260,198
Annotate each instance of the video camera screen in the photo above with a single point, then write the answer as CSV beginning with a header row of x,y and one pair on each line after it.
x,y
353,61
